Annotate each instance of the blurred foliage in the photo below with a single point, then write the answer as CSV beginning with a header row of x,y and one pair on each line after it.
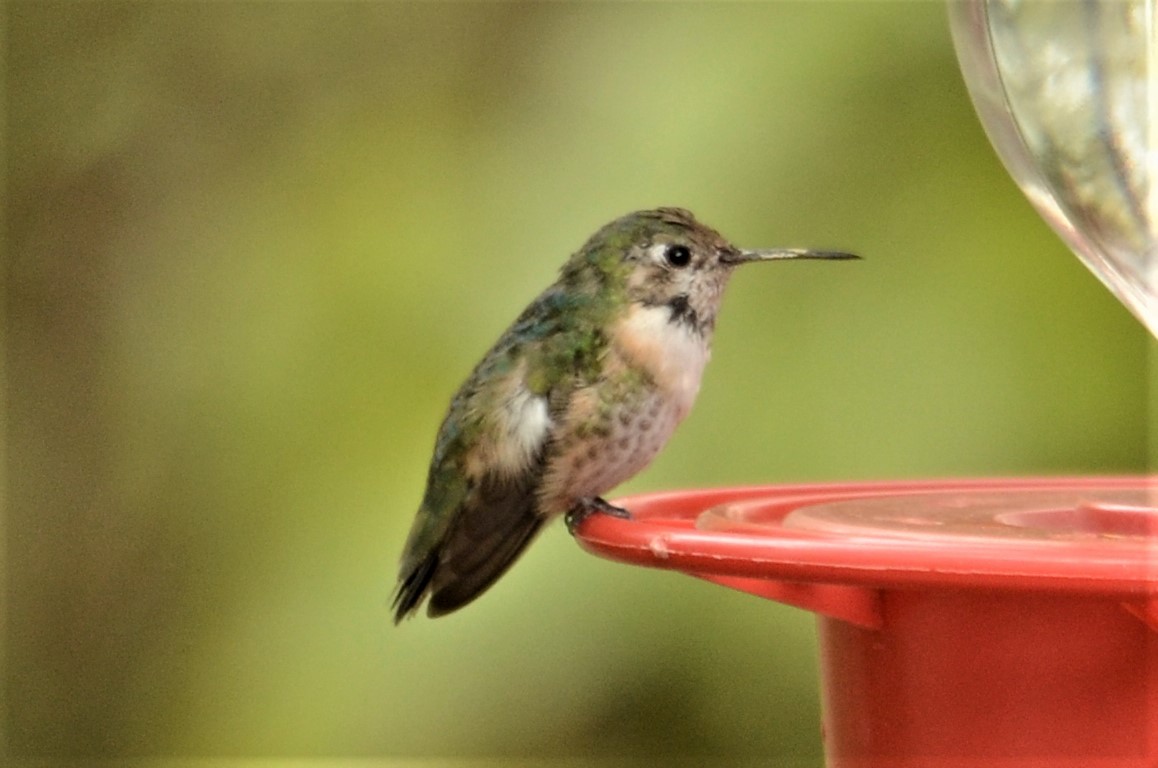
x,y
253,248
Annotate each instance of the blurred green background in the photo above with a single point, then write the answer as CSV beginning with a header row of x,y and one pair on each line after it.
x,y
253,248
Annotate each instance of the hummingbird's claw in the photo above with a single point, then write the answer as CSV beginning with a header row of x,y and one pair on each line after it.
x,y
585,508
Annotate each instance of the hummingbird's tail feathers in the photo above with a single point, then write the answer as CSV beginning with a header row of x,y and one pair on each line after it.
x,y
413,586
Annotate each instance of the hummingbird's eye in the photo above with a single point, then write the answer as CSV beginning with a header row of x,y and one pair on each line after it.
x,y
678,255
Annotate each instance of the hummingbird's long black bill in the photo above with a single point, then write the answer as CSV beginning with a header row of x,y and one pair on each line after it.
x,y
781,254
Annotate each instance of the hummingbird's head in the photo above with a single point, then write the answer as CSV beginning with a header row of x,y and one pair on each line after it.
x,y
666,258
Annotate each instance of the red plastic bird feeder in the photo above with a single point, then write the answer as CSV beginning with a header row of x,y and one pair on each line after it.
x,y
1009,623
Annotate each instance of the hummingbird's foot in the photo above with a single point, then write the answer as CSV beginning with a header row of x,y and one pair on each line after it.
x,y
585,508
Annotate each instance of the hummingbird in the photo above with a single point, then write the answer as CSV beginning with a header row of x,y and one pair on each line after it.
x,y
578,395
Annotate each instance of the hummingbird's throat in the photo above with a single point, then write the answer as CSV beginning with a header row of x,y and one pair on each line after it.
x,y
682,314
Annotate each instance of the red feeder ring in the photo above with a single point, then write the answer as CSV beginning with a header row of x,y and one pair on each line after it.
x,y
1008,623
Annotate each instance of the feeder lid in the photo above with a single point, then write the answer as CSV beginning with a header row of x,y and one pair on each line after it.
x,y
1078,535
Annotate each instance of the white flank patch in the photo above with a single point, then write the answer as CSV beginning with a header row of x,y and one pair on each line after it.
x,y
524,424
672,353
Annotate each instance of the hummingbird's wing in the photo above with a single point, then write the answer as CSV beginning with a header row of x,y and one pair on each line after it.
x,y
480,508
490,532
478,512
